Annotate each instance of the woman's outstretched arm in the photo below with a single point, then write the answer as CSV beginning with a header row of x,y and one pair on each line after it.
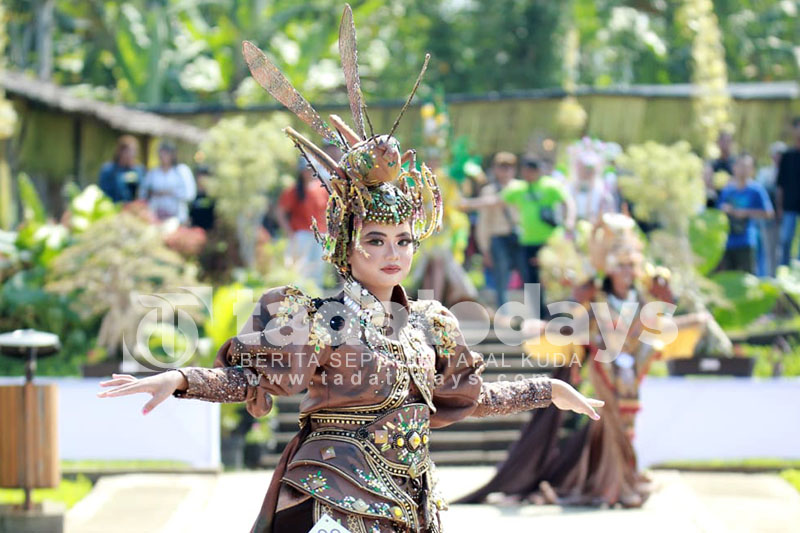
x,y
508,397
250,367
160,387
462,391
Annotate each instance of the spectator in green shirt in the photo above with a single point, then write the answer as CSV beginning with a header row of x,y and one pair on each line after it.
x,y
537,199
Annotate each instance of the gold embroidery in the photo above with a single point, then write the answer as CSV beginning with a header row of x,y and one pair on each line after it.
x,y
319,336
293,302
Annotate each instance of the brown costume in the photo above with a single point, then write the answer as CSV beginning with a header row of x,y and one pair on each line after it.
x,y
373,396
375,386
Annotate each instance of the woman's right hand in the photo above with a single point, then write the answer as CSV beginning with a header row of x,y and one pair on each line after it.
x,y
160,387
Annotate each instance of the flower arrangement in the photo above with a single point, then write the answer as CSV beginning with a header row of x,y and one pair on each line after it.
x,y
712,103
664,183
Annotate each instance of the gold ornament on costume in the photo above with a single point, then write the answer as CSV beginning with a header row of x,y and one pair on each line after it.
x,y
370,182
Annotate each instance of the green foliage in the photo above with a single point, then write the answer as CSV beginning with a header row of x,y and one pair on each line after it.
x,y
87,465
117,257
89,206
68,492
8,213
247,161
273,270
769,361
9,253
230,418
748,298
25,304
751,463
261,430
708,235
229,305
793,477
788,279
760,38
32,207
664,183
156,51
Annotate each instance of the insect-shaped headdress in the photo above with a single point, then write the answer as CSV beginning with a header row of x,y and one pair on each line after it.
x,y
369,182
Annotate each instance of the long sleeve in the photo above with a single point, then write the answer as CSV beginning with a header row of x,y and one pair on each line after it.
x,y
486,222
274,354
509,397
106,181
224,384
460,389
188,190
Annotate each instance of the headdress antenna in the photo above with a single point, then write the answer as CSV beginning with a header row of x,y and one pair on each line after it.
x,y
411,96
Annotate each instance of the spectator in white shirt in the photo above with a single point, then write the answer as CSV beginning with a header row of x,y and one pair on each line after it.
x,y
169,187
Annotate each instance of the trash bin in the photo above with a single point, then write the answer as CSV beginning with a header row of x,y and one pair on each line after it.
x,y
29,418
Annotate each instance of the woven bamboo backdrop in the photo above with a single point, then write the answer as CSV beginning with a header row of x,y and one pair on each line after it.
x,y
513,123
47,141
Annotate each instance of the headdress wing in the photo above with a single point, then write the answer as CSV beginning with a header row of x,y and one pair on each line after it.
x,y
270,78
349,55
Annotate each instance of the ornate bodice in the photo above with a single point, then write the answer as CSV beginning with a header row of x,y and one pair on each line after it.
x,y
376,383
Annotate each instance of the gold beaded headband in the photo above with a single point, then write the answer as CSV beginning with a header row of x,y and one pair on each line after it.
x,y
370,182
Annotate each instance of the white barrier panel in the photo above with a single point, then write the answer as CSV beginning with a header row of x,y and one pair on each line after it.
x,y
718,418
115,429
681,419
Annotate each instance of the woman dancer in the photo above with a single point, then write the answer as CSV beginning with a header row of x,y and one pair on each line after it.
x,y
595,464
380,370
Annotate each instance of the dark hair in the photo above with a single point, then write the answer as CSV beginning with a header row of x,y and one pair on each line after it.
x,y
796,121
744,155
531,162
608,286
125,142
170,148
300,187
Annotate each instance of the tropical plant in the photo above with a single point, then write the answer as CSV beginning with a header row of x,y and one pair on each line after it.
x,y
746,298
664,183
712,102
8,120
157,51
247,162
87,207
25,304
108,265
708,236
564,262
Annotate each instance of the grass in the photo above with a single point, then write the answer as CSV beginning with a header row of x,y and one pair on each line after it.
x,y
122,465
757,463
71,491
68,492
793,477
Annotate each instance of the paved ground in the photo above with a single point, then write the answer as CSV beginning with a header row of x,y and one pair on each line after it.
x,y
684,503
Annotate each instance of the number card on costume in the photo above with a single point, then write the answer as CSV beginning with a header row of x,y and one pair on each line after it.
x,y
327,524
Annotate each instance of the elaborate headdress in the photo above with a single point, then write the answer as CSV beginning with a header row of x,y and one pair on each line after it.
x,y
614,241
369,182
591,153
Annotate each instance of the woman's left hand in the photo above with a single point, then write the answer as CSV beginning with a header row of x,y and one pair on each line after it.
x,y
566,398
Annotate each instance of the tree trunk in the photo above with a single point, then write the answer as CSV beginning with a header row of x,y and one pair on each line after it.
x,y
44,39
